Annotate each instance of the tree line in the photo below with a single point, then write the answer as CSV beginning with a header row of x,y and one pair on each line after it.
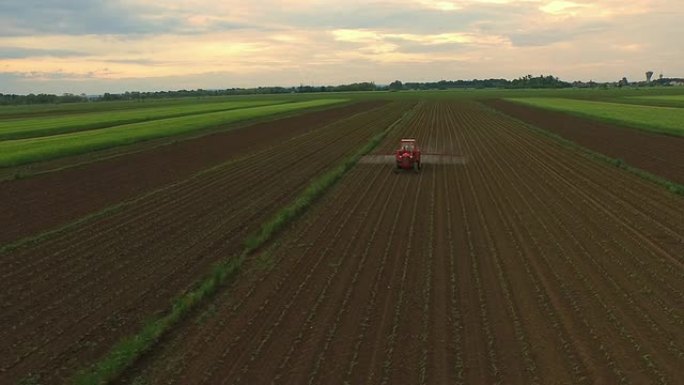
x,y
527,81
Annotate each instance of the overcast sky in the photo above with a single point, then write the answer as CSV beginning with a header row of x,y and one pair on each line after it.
x,y
97,46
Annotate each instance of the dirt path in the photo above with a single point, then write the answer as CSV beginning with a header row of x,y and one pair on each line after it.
x,y
527,264
658,154
49,200
64,301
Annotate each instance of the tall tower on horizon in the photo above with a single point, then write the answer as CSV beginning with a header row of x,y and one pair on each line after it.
x,y
649,75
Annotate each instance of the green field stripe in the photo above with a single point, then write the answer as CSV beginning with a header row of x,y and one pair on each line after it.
x,y
666,120
53,125
23,151
676,101
679,98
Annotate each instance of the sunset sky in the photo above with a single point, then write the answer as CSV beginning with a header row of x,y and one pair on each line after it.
x,y
96,46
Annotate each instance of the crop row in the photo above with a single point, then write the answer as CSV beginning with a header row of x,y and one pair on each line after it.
x,y
522,265
23,151
53,125
105,273
667,120
570,235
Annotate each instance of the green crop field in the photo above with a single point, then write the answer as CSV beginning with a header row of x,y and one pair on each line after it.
x,y
23,151
19,128
656,100
667,120
679,98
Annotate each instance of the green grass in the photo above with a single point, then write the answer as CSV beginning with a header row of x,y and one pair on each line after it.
x,y
665,120
679,98
23,151
127,351
51,125
655,100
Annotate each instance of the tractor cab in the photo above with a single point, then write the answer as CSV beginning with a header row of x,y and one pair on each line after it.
x,y
407,146
408,155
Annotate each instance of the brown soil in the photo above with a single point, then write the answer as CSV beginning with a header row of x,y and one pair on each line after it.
x,y
662,155
49,200
527,264
65,300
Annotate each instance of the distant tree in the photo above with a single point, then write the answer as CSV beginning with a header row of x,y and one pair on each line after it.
x,y
396,86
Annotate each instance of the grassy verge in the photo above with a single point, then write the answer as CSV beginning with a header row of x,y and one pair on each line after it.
x,y
673,187
127,351
664,120
53,125
23,151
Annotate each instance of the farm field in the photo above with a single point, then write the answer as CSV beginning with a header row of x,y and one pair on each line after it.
x,y
23,151
663,100
525,261
667,120
66,298
526,264
79,190
661,155
19,128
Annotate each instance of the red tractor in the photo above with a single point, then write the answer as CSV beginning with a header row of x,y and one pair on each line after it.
x,y
408,155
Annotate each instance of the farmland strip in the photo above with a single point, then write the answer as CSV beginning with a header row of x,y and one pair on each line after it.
x,y
521,265
130,283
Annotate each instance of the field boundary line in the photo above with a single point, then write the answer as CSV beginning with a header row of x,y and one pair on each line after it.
x,y
671,186
127,351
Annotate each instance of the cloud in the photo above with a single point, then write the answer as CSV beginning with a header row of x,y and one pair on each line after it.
x,y
30,17
548,36
98,43
19,52
87,17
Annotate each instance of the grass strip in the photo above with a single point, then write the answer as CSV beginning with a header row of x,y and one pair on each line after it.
x,y
53,125
23,151
128,350
662,120
673,187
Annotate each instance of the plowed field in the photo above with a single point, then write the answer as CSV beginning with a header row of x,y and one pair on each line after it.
x,y
65,300
659,154
46,201
527,263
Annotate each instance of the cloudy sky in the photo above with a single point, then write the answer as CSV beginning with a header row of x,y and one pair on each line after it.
x,y
96,46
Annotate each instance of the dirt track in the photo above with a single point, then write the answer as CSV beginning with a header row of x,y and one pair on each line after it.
x,y
527,264
662,155
46,201
66,300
